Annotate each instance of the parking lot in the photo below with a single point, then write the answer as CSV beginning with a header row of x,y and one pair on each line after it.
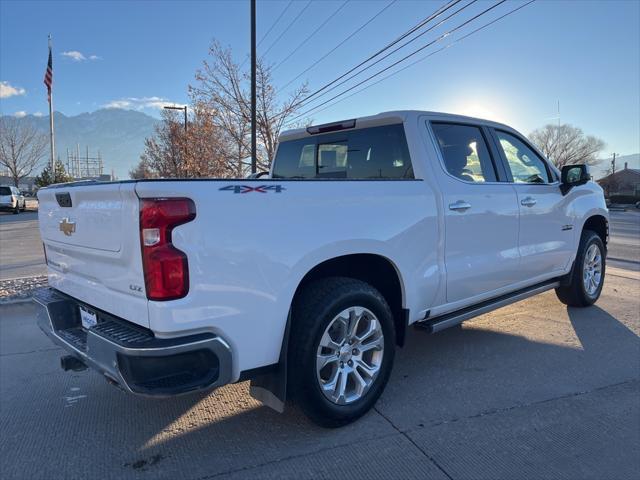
x,y
534,390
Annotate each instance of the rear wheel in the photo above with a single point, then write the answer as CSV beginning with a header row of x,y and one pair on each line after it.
x,y
341,349
587,277
16,209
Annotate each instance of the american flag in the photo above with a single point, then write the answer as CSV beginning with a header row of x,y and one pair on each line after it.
x,y
48,76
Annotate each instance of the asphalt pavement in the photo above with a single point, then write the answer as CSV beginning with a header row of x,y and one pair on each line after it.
x,y
534,390
624,244
21,253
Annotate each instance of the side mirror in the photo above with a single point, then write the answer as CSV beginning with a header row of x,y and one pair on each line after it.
x,y
572,176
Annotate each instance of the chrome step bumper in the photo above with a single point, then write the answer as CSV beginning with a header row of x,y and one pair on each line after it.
x,y
131,356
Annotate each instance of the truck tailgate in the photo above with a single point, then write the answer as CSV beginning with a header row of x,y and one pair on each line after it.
x,y
92,242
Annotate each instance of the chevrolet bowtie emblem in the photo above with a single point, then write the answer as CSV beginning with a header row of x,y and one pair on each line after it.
x,y
67,227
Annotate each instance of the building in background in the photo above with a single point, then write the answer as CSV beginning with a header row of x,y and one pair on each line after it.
x,y
622,186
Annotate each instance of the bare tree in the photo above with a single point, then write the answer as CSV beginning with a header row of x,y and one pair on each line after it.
x,y
225,90
22,147
567,145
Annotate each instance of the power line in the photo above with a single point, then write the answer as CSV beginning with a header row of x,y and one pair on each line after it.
x,y
386,47
288,27
403,58
422,59
339,44
396,49
268,31
276,22
312,34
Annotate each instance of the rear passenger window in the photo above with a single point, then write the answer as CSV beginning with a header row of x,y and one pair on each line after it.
x,y
367,153
464,152
526,166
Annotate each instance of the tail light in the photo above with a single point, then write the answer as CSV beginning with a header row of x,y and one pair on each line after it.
x,y
166,270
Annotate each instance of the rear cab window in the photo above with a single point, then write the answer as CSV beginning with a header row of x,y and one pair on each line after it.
x,y
365,153
5,191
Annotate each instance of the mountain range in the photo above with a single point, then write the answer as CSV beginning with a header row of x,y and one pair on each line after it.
x,y
118,134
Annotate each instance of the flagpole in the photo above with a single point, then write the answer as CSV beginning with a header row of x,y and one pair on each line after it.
x,y
51,135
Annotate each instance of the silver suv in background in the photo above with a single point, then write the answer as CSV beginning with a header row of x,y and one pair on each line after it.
x,y
11,199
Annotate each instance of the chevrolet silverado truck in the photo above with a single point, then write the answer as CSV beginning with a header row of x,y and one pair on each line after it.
x,y
305,281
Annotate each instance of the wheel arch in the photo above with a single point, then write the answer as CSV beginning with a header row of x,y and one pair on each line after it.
x,y
600,225
374,269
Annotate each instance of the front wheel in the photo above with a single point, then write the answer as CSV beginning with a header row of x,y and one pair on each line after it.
x,y
341,349
587,277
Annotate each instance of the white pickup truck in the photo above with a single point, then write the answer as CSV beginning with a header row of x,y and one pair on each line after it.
x,y
305,281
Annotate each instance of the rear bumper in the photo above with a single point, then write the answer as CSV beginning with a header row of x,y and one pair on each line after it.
x,y
131,356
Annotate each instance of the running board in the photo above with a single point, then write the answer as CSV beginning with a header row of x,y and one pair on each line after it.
x,y
452,319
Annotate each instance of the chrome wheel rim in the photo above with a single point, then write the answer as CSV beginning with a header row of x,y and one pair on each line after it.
x,y
592,270
349,356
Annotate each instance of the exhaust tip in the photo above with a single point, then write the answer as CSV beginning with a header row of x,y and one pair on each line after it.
x,y
69,362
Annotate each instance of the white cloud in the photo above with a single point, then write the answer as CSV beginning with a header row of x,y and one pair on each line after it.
x,y
38,114
7,90
74,55
20,114
77,56
140,103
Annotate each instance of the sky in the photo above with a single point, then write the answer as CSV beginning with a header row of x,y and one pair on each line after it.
x,y
143,55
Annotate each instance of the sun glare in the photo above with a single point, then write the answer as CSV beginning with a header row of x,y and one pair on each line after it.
x,y
481,111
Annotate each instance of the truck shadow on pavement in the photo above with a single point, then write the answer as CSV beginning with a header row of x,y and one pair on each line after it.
x,y
497,363
458,374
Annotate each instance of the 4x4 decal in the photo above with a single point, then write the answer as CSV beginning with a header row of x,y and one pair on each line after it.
x,y
248,189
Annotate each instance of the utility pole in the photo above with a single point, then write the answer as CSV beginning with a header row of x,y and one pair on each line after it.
x,y
613,164
254,161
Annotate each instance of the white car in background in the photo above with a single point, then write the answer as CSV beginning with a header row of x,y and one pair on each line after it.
x,y
11,199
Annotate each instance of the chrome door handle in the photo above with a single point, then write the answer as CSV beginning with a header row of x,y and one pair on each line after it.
x,y
460,206
528,202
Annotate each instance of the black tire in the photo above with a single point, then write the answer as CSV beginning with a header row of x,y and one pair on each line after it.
x,y
313,310
17,209
574,293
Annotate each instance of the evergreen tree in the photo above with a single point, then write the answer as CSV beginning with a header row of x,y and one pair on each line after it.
x,y
46,178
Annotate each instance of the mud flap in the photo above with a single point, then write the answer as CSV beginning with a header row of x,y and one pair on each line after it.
x,y
271,388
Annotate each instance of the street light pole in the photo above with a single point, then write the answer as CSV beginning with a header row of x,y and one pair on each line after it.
x,y
185,114
185,124
253,87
